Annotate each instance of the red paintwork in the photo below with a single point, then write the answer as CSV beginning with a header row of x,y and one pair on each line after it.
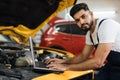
x,y
71,43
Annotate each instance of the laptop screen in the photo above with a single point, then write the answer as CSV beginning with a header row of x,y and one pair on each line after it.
x,y
40,66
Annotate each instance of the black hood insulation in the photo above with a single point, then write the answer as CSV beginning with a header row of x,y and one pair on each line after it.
x,y
30,13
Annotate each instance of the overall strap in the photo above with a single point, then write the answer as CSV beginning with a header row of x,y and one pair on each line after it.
x,y
97,34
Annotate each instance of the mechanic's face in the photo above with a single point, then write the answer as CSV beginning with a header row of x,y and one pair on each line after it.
x,y
84,19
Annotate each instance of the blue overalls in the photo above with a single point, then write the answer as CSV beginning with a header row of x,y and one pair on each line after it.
x,y
111,70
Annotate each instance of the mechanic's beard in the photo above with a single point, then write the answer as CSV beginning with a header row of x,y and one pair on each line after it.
x,y
87,29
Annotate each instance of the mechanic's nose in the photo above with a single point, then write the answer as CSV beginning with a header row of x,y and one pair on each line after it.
x,y
81,21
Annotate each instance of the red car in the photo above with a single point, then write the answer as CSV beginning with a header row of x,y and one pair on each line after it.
x,y
65,35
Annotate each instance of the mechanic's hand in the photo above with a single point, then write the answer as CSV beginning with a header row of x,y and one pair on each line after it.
x,y
54,60
58,66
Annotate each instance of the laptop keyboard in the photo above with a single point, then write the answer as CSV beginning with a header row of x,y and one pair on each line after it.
x,y
41,67
40,64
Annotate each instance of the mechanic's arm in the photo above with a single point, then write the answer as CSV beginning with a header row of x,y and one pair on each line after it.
x,y
77,59
88,49
96,62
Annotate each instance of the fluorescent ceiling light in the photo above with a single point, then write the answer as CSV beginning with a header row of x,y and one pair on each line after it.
x,y
104,12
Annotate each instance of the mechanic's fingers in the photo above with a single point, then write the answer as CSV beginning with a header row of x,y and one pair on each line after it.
x,y
48,61
56,66
50,65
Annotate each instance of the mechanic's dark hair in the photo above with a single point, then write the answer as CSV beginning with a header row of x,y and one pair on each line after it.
x,y
78,7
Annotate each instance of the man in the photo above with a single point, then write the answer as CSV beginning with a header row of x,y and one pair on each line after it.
x,y
104,34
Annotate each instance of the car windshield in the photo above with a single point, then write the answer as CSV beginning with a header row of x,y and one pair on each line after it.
x,y
70,29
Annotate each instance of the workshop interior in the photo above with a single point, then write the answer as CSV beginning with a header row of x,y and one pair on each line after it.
x,y
32,31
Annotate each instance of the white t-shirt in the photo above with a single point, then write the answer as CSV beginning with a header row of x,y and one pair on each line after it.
x,y
108,32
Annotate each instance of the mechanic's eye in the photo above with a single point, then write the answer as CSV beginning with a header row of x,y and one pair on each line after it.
x,y
77,20
83,16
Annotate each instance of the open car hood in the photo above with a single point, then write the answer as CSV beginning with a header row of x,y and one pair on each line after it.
x,y
24,18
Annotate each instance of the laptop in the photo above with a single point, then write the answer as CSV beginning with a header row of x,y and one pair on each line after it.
x,y
40,66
